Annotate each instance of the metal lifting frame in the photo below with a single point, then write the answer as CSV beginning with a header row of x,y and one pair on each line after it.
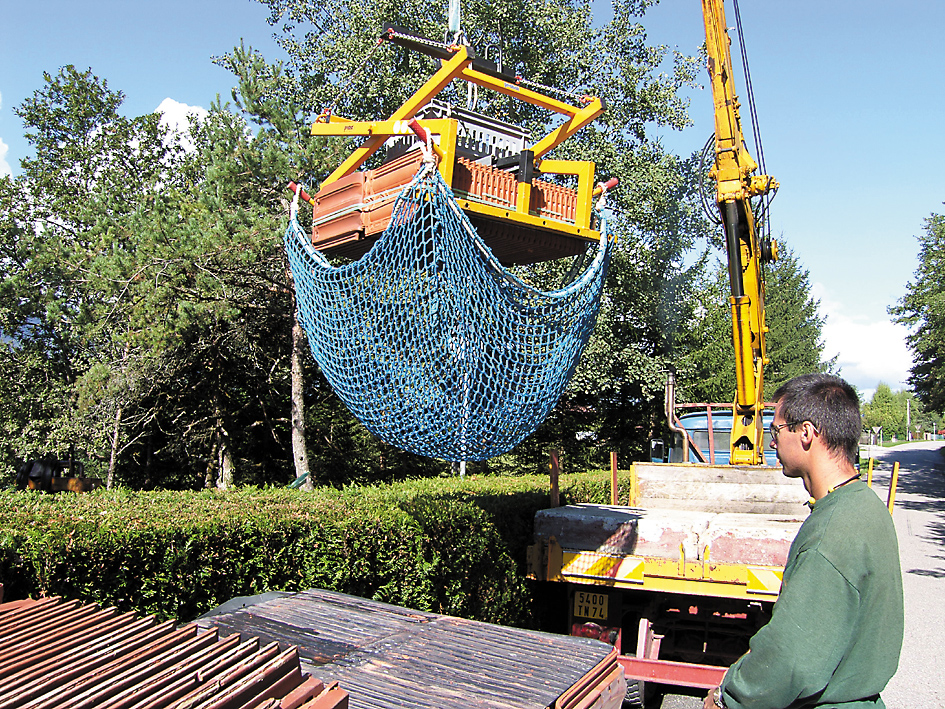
x,y
460,62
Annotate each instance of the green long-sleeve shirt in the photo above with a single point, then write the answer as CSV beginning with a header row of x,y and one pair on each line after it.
x,y
836,630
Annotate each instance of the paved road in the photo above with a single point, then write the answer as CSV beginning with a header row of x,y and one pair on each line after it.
x,y
919,515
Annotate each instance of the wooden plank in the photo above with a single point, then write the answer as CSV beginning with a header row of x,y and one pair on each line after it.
x,y
694,472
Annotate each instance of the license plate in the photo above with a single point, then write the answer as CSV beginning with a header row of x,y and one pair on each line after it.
x,y
590,605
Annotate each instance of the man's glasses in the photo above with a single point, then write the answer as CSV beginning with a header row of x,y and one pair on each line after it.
x,y
774,430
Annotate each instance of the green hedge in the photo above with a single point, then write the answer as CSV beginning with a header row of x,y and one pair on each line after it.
x,y
446,545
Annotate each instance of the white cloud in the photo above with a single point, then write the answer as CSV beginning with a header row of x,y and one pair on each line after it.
x,y
4,165
177,116
869,349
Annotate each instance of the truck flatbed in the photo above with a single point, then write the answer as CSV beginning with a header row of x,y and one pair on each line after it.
x,y
721,531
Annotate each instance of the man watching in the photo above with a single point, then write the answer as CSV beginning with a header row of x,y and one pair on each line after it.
x,y
836,630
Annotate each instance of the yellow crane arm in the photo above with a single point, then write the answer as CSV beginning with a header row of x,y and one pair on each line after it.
x,y
736,184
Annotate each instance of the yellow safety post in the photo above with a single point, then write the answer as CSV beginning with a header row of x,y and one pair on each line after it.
x,y
634,490
869,474
613,477
893,482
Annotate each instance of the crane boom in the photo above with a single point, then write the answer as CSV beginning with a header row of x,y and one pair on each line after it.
x,y
626,569
736,184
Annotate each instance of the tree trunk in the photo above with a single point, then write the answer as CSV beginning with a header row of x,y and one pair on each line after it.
x,y
113,455
209,477
148,460
116,431
226,465
299,449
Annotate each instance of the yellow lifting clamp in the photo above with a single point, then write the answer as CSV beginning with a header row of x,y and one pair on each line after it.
x,y
522,218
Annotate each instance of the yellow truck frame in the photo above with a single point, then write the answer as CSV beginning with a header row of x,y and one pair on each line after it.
x,y
680,576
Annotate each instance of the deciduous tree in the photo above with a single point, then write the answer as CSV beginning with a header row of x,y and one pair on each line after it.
x,y
335,64
900,414
69,262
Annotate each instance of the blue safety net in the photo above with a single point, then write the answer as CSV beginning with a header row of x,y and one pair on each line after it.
x,y
430,342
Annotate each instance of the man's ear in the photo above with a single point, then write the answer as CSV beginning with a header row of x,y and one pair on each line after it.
x,y
808,432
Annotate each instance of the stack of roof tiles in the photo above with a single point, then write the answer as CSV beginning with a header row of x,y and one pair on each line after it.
x,y
62,654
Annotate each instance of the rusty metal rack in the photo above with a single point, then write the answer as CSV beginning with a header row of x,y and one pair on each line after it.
x,y
386,656
55,653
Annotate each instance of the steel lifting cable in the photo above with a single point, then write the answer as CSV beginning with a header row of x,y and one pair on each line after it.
x,y
749,90
519,80
391,33
753,113
764,215
351,77
578,98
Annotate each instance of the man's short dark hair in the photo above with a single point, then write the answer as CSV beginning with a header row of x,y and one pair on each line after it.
x,y
830,404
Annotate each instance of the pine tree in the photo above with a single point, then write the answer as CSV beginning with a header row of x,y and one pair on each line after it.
x,y
922,308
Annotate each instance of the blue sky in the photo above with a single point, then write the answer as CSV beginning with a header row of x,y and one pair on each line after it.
x,y
850,102
848,93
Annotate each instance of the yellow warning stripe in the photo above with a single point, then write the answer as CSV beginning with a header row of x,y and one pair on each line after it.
x,y
764,580
667,575
592,565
